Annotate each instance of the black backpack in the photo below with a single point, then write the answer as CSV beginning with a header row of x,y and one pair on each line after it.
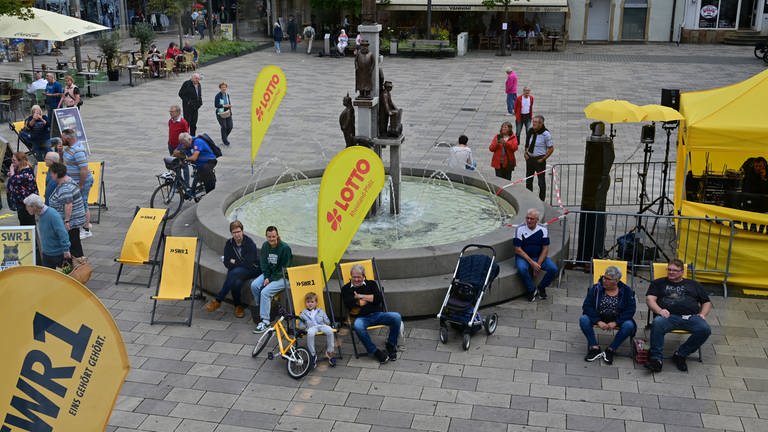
x,y
214,148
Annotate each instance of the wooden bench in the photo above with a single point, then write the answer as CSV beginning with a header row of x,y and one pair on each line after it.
x,y
432,47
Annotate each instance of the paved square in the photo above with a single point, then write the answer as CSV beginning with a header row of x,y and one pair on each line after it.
x,y
529,376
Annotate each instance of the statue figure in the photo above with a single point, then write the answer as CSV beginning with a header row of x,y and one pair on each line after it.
x,y
390,116
368,12
364,63
347,121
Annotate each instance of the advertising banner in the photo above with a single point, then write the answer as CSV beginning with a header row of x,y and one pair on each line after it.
x,y
268,92
64,360
227,32
18,246
69,118
350,184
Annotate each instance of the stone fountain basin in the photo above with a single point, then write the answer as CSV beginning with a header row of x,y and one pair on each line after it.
x,y
415,279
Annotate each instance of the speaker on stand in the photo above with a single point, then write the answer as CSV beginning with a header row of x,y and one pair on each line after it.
x,y
598,160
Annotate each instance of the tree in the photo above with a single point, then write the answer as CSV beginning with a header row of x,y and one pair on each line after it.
x,y
17,8
490,4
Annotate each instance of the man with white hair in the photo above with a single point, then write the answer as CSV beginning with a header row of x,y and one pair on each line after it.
x,y
54,239
531,248
198,152
191,95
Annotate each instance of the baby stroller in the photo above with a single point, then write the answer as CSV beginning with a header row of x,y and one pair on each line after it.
x,y
471,279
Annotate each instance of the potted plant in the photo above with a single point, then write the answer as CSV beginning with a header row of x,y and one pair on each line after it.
x,y
110,46
144,36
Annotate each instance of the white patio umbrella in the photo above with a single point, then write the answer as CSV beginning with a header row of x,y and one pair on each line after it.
x,y
46,25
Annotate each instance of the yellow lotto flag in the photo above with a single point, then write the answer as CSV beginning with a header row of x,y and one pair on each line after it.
x,y
63,356
350,184
268,91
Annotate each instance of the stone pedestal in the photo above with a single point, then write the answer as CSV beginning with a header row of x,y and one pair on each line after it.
x,y
394,145
367,117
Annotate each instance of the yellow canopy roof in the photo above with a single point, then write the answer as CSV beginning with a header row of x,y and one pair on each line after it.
x,y
729,118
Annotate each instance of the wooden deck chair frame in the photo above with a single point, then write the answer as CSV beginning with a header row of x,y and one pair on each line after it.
x,y
178,294
97,199
598,270
659,270
372,273
152,262
299,286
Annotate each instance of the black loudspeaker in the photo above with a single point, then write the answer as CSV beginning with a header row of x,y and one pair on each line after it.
x,y
648,133
671,98
598,160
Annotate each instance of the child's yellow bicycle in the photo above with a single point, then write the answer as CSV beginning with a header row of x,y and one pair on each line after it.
x,y
297,357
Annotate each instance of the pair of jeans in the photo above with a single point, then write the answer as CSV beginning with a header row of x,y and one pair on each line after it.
x,y
695,324
524,122
626,330
76,247
293,42
511,102
263,295
226,128
524,272
329,342
85,191
389,319
277,47
234,280
532,166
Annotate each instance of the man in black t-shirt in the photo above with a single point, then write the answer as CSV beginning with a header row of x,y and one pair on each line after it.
x,y
679,304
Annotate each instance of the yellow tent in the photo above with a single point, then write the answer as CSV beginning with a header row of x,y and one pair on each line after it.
x,y
723,128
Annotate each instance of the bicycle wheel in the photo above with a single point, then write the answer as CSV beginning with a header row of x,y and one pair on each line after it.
x,y
299,365
167,196
262,342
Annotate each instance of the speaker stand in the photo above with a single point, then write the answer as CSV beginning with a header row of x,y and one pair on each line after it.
x,y
663,198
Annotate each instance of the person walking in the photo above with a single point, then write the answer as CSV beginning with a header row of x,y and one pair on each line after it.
x,y
191,94
511,90
309,36
293,31
54,240
523,112
223,112
277,34
68,203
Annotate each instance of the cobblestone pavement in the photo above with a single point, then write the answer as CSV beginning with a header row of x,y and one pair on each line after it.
x,y
530,375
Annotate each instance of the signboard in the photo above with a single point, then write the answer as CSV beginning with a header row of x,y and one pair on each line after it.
x,y
18,246
69,118
709,11
64,360
227,32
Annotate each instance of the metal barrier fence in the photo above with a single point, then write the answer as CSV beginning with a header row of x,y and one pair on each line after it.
x,y
642,239
625,184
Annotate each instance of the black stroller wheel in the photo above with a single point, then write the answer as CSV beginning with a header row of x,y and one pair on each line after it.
x,y
465,342
490,323
443,334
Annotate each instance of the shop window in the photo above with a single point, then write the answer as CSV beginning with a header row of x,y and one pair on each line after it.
x,y
718,14
634,19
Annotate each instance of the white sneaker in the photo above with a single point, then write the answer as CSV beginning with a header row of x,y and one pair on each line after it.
x,y
85,233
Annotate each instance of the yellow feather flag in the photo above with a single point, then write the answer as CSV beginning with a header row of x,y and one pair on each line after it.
x,y
268,92
64,358
350,184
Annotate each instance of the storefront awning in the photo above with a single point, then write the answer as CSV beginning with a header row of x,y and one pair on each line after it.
x,y
474,5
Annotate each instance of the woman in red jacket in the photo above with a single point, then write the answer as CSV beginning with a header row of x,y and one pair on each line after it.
x,y
503,146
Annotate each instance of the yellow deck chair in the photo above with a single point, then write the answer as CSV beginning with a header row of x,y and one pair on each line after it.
x,y
179,275
371,273
97,197
40,176
659,270
599,266
138,241
17,127
310,278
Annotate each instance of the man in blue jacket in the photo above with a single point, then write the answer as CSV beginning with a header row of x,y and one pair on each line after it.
x,y
241,258
198,152
610,304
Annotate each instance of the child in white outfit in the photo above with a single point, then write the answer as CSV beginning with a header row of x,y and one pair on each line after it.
x,y
315,320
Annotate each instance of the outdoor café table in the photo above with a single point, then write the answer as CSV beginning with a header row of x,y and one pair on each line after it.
x,y
130,73
88,77
554,39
